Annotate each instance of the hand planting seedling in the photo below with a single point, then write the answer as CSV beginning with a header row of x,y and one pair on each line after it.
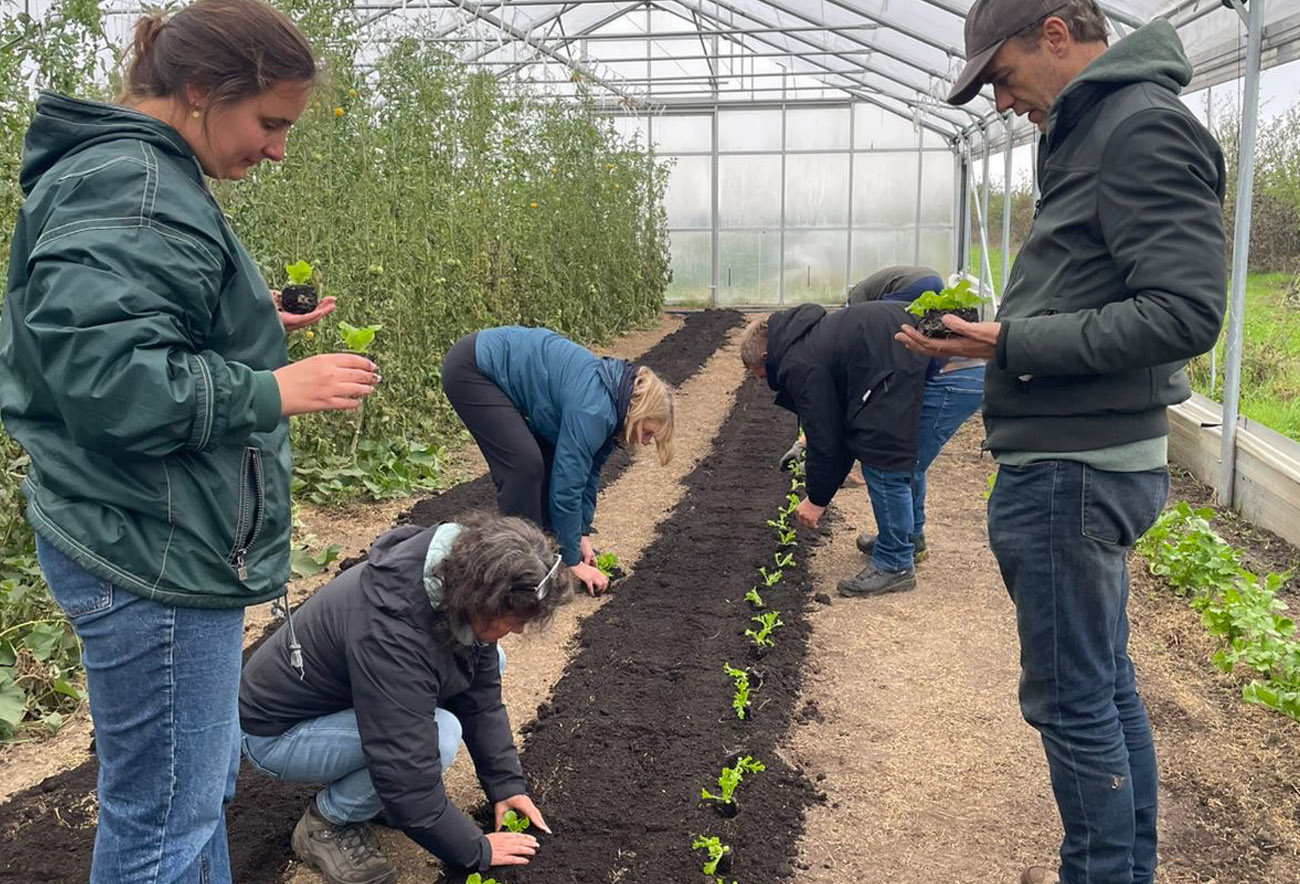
x,y
719,860
740,702
725,801
607,564
299,296
514,822
767,623
958,300
753,597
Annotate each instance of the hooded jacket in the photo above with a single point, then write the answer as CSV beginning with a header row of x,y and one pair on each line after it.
x,y
136,359
1122,278
856,390
371,641
570,398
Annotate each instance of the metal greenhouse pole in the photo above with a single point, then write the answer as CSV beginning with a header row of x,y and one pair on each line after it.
x,y
1006,208
1240,251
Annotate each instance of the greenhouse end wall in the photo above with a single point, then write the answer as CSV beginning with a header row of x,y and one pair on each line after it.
x,y
784,204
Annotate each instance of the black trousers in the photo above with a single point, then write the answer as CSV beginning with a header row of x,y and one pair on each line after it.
x,y
518,460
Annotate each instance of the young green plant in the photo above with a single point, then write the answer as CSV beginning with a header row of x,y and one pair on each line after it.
x,y
607,563
731,777
717,850
514,822
767,622
358,340
753,597
740,702
770,578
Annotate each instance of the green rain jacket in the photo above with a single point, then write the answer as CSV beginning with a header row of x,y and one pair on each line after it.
x,y
137,346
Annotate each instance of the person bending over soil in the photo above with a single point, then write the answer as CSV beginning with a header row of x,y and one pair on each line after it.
x,y
371,685
858,396
546,414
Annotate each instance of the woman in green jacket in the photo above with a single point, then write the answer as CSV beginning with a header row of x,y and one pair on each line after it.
x,y
144,369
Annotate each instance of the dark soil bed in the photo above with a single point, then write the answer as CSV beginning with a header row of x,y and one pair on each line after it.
x,y
642,717
47,831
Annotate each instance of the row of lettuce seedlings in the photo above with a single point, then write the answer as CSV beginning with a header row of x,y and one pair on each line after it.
x,y
718,861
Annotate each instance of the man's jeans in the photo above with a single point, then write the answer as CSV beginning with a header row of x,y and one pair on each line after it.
x,y
328,750
164,689
950,398
891,504
1061,532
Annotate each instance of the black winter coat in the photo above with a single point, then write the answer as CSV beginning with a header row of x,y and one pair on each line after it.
x,y
856,390
371,642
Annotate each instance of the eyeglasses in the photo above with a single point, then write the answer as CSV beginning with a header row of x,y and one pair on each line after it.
x,y
541,589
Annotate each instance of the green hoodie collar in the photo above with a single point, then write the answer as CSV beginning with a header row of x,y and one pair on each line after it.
x,y
1151,54
439,549
63,126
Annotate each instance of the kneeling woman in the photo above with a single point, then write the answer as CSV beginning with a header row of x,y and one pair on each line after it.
x,y
546,413
373,681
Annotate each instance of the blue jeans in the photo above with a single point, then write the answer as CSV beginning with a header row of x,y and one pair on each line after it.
x,y
891,504
1061,532
328,750
950,398
164,689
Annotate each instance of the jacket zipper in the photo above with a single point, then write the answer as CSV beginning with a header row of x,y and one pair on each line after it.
x,y
253,474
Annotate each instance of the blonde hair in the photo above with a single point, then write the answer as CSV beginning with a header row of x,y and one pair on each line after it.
x,y
651,400
753,343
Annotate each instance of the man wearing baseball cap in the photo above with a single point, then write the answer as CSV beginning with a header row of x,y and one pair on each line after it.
x,y
1121,280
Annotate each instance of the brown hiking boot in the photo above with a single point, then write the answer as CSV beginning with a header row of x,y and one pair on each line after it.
x,y
343,854
1039,875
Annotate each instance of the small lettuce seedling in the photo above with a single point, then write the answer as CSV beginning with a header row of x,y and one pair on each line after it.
x,y
515,822
476,878
770,578
784,560
299,296
719,854
740,702
607,564
753,597
357,340
762,637
931,306
730,778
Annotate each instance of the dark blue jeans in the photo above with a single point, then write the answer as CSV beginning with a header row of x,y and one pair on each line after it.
x,y
891,504
1061,532
950,398
164,694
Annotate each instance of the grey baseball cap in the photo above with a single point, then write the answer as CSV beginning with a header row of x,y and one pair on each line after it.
x,y
988,25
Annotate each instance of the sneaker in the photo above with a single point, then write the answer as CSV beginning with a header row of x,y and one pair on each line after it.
x,y
873,581
343,854
1039,875
867,543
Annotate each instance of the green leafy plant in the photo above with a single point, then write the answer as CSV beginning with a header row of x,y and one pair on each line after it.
x,y
299,272
740,702
767,622
731,777
716,849
606,563
753,597
357,340
770,578
784,560
476,878
958,297
515,822
305,563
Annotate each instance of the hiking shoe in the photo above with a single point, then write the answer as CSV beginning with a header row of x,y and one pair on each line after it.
x,y
1039,875
867,543
873,581
343,854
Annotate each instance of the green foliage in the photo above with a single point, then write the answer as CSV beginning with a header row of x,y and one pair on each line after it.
x,y
958,297
716,850
299,272
357,340
770,578
606,562
753,597
784,560
476,878
767,622
740,702
1236,605
731,777
381,470
305,563
515,822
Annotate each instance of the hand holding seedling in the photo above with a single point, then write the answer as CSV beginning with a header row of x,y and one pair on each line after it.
x,y
328,382
591,577
295,321
974,340
525,811
808,513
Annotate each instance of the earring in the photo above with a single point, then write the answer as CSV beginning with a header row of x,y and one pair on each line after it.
x,y
195,113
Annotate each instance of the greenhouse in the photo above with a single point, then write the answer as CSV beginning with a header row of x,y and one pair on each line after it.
x,y
599,265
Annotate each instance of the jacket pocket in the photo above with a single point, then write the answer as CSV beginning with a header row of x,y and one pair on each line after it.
x,y
252,504
876,386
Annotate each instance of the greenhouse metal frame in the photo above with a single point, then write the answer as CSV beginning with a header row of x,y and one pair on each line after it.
x,y
683,73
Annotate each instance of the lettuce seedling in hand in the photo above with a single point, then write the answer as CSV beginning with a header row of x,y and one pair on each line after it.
x,y
299,296
607,564
931,306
